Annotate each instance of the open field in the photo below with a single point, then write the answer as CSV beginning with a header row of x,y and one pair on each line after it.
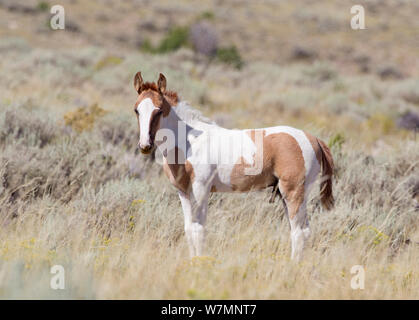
x,y
74,191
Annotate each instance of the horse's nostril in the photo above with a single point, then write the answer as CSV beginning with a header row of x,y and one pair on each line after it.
x,y
145,149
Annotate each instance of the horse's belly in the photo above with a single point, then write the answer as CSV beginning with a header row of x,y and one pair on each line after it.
x,y
221,181
246,182
232,179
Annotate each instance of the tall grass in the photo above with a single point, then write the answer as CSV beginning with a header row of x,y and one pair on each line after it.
x,y
74,192
75,199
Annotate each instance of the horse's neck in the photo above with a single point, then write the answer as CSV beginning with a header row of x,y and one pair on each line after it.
x,y
183,132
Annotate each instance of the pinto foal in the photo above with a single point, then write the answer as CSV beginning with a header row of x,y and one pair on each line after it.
x,y
200,157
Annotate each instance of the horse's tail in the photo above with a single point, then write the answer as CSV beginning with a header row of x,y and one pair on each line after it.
x,y
326,190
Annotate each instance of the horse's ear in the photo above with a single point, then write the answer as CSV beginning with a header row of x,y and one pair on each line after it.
x,y
138,81
161,83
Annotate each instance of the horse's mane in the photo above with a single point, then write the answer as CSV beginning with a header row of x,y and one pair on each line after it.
x,y
190,115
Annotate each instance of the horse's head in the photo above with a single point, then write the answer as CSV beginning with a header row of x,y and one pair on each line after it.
x,y
153,104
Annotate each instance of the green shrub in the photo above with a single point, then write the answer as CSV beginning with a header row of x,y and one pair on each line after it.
x,y
207,15
381,123
43,6
146,46
107,61
336,141
83,118
176,38
231,56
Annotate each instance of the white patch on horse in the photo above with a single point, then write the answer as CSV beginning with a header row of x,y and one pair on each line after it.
x,y
145,109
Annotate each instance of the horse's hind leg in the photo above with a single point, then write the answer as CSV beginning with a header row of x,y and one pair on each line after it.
x,y
299,229
294,197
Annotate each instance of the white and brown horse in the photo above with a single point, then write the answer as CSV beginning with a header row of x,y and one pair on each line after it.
x,y
200,157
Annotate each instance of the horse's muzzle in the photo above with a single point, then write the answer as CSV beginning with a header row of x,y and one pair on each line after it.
x,y
146,150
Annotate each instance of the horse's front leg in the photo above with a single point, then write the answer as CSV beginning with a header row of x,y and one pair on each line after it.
x,y
195,206
187,213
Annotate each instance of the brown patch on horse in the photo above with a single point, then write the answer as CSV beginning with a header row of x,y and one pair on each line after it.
x,y
171,96
154,124
242,182
180,173
149,86
138,117
289,167
282,160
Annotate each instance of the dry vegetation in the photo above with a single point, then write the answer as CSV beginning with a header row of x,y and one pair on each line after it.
x,y
74,192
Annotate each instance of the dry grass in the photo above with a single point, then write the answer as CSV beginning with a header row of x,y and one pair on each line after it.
x,y
74,192
77,200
